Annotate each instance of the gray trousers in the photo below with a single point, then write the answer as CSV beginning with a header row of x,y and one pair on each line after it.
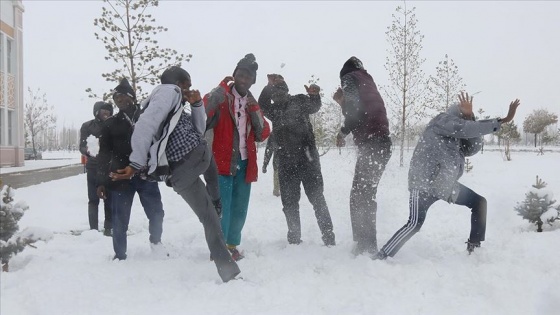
x,y
185,180
370,165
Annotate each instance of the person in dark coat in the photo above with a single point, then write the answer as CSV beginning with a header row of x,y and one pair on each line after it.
x,y
366,118
269,153
101,112
436,166
114,153
298,157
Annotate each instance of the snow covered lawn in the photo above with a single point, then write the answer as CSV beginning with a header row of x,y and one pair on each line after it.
x,y
50,159
515,271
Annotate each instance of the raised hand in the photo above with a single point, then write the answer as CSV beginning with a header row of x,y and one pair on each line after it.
x,y
313,89
227,79
338,96
465,104
193,96
511,112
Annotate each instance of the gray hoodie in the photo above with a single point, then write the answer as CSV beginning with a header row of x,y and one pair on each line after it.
x,y
439,158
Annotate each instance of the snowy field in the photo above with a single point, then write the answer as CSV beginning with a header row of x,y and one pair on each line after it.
x,y
50,159
515,271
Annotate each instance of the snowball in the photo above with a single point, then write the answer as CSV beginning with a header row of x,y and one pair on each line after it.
x,y
92,145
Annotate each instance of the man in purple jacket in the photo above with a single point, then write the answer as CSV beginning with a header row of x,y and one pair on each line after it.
x,y
365,117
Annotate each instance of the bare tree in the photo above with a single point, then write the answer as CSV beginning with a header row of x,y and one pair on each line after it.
x,y
326,122
445,85
38,116
127,32
404,96
537,121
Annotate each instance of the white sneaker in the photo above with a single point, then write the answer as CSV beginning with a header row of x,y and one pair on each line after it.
x,y
159,250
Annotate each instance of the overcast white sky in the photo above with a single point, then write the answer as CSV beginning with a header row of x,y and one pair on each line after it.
x,y
505,49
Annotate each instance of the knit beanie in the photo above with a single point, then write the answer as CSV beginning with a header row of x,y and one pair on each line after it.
x,y
351,65
102,105
250,64
125,88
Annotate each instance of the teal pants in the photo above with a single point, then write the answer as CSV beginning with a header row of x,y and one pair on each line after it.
x,y
235,193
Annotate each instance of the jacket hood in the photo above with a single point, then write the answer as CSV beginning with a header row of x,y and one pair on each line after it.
x,y
351,65
101,105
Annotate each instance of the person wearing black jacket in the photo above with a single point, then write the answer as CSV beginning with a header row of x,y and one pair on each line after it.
x,y
298,157
101,112
114,153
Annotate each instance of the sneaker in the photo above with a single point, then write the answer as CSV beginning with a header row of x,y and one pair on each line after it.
x,y
471,246
159,250
107,232
235,254
119,258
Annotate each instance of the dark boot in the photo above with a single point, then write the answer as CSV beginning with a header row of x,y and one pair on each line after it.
x,y
471,246
294,227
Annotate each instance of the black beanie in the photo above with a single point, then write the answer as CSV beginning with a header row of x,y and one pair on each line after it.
x,y
125,88
101,105
350,65
249,63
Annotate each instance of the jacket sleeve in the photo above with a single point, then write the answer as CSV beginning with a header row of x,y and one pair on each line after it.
x,y
104,155
259,124
452,126
310,103
265,102
84,134
162,101
212,103
269,150
351,107
198,114
471,146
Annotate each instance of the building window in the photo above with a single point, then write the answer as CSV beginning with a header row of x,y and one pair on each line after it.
x,y
1,52
2,126
10,50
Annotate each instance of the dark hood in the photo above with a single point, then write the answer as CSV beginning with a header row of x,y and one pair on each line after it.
x,y
351,65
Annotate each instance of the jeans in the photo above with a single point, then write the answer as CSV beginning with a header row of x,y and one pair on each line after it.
x,y
121,203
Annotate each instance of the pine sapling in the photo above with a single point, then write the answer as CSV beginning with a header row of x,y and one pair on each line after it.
x,y
536,203
12,241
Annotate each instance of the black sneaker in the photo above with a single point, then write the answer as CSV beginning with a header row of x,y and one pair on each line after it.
x,y
471,246
107,232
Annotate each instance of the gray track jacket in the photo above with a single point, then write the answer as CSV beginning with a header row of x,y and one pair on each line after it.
x,y
439,157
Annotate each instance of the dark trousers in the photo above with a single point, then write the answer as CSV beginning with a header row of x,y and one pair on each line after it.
x,y
93,203
121,203
370,165
293,171
185,180
211,179
421,201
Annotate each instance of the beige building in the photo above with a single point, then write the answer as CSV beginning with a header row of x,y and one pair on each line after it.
x,y
12,132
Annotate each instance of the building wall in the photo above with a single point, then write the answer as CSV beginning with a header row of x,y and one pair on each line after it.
x,y
12,132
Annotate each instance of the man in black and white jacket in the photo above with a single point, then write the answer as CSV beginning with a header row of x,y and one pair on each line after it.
x,y
179,151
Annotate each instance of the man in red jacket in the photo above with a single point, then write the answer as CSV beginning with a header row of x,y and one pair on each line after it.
x,y
234,123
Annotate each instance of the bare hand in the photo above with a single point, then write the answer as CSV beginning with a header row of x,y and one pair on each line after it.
x,y
192,96
511,113
338,96
313,89
465,104
125,173
227,79
101,193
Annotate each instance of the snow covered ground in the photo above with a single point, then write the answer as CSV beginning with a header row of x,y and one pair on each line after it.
x,y
50,159
515,271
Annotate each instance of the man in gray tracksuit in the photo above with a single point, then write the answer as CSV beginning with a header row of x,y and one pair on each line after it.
x,y
436,166
168,144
